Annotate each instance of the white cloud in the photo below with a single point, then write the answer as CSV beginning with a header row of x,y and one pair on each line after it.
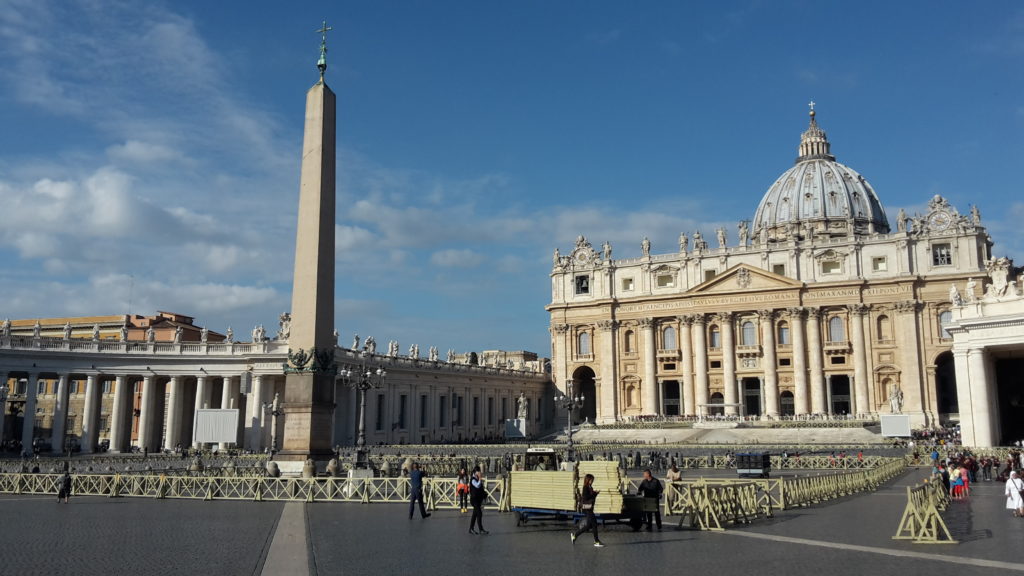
x,y
452,258
137,151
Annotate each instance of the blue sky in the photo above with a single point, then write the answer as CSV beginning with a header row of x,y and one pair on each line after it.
x,y
157,144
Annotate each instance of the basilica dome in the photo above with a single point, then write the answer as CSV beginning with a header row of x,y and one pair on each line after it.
x,y
818,197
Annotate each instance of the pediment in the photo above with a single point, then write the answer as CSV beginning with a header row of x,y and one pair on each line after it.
x,y
742,278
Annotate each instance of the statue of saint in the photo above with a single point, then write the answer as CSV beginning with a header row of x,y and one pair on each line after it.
x,y
204,335
5,328
896,399
721,237
229,336
954,296
698,241
150,334
975,214
355,342
67,331
284,326
522,405
607,247
37,330
177,335
371,345
901,221
744,232
971,296
684,242
645,247
124,333
556,258
95,332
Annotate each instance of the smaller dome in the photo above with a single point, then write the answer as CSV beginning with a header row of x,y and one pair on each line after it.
x,y
819,196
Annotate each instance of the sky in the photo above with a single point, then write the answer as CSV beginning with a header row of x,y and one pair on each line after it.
x,y
149,151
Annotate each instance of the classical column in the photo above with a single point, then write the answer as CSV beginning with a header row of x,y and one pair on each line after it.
x,y
117,415
202,401
175,404
980,396
608,408
771,376
560,362
227,401
29,421
814,349
254,430
146,416
90,414
689,407
860,360
700,364
60,415
728,362
963,396
796,329
650,383
910,365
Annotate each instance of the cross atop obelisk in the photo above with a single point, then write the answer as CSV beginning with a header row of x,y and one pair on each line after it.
x,y
309,385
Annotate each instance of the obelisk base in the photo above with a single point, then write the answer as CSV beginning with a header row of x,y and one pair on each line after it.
x,y
308,417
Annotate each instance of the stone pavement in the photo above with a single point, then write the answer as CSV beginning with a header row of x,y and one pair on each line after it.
x,y
137,536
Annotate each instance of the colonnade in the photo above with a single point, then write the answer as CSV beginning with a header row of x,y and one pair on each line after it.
x,y
160,415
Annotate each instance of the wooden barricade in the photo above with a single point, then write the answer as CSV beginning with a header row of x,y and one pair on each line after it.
x,y
921,522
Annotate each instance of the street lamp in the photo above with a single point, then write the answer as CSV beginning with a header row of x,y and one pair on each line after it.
x,y
273,409
569,404
362,378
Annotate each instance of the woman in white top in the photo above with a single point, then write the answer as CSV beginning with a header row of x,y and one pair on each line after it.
x,y
1014,501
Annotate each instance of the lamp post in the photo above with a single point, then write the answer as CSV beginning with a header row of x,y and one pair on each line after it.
x,y
3,411
273,409
569,404
362,378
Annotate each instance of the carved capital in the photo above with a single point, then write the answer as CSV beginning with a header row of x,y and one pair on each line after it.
x,y
685,319
607,324
724,317
813,312
560,328
766,315
698,319
796,312
646,323
858,309
908,306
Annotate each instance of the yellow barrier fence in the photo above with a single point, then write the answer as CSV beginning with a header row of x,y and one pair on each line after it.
x,y
922,522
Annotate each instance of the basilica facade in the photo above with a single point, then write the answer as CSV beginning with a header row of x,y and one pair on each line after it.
x,y
817,307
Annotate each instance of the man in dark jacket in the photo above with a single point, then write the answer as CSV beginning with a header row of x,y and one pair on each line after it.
x,y
650,488
416,490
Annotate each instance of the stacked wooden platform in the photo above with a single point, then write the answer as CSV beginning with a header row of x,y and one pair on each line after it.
x,y
607,480
549,490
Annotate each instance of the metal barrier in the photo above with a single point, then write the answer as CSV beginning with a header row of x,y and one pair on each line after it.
x,y
439,493
709,506
922,521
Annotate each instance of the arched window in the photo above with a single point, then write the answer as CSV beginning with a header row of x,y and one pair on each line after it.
x,y
583,343
884,328
945,317
668,338
748,334
783,334
835,330
714,337
629,344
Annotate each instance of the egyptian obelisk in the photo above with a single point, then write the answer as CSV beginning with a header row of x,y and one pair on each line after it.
x,y
309,385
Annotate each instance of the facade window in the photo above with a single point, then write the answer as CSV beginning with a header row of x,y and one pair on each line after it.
x,y
668,338
884,328
104,423
709,274
107,386
423,410
21,387
941,255
380,413
629,342
41,387
583,344
73,389
442,412
666,281
403,406
836,333
783,336
490,411
945,317
779,269
831,267
785,362
583,284
137,388
458,410
715,337
716,364
476,410
504,409
748,334
627,284
879,264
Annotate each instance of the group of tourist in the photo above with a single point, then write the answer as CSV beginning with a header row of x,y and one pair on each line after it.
x,y
959,469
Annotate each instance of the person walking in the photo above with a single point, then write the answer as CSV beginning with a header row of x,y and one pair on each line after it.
x,y
64,491
416,477
462,488
588,496
1014,497
650,488
477,496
